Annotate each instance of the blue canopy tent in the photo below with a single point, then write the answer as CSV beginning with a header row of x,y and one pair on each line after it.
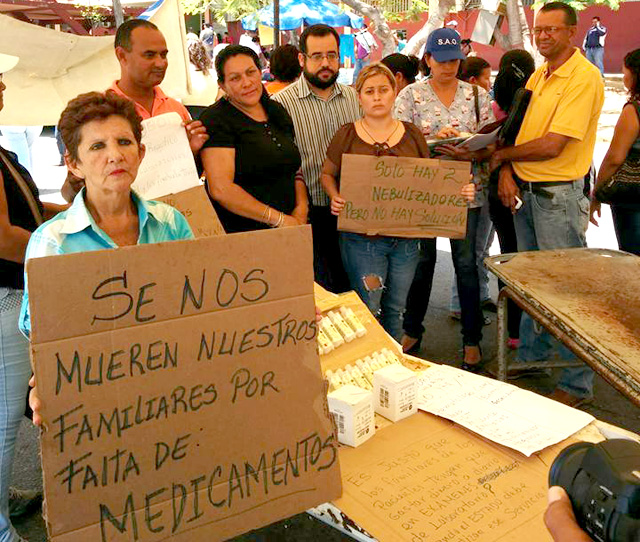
x,y
295,13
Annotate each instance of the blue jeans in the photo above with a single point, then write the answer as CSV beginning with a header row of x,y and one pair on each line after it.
x,y
464,261
626,221
595,55
554,219
20,139
484,240
15,371
357,67
380,270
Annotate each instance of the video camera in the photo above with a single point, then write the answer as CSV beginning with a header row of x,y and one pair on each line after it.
x,y
603,482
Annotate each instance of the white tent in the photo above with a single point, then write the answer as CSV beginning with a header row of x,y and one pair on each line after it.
x,y
56,66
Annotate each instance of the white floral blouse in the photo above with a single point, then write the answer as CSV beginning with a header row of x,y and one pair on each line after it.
x,y
419,104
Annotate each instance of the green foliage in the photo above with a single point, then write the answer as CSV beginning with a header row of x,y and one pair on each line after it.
x,y
93,14
236,9
194,7
393,15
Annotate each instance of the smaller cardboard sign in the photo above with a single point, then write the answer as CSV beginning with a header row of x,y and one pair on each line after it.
x,y
403,197
168,166
195,205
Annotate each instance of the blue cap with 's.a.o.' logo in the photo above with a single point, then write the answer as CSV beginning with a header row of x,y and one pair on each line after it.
x,y
443,44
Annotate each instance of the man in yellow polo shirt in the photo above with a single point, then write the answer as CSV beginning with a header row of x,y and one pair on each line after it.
x,y
545,169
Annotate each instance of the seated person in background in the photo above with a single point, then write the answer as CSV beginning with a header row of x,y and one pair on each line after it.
x,y
102,133
404,68
250,159
285,68
380,268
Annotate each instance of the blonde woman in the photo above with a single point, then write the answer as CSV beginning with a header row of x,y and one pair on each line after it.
x,y
380,268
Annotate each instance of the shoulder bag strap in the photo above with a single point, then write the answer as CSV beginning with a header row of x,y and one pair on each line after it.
x,y
26,191
477,105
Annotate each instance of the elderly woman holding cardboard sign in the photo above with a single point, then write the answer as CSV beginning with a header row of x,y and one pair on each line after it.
x,y
380,268
102,134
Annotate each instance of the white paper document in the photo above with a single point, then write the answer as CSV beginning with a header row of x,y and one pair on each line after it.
x,y
480,141
168,166
506,414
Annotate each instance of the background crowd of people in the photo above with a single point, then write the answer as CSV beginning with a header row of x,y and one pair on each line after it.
x,y
272,156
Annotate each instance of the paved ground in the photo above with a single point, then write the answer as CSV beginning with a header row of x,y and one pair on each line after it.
x,y
441,343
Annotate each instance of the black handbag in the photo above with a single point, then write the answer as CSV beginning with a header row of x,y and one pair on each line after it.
x,y
624,184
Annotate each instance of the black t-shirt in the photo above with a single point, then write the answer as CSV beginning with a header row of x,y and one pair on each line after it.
x,y
12,273
266,158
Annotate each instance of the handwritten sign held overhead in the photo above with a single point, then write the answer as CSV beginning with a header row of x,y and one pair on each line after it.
x,y
169,377
403,197
168,166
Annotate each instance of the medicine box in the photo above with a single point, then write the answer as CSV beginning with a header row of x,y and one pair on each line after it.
x,y
352,410
394,391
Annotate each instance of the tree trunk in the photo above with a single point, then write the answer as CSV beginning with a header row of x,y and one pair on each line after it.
x,y
526,35
118,15
438,10
515,28
382,30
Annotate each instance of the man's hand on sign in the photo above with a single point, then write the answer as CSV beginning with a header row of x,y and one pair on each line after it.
x,y
289,220
560,519
468,192
34,402
508,190
197,134
593,211
337,204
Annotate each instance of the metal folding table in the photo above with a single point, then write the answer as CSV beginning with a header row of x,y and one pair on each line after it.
x,y
589,299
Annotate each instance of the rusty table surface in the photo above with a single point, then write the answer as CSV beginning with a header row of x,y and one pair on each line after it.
x,y
591,298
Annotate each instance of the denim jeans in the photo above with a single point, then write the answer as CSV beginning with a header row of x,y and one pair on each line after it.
x,y
464,262
484,240
15,371
20,139
595,55
380,270
626,221
554,219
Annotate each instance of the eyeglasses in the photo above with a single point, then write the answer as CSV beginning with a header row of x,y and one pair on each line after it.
x,y
318,57
548,30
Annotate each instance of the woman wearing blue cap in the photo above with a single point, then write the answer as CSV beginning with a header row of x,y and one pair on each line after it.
x,y
443,107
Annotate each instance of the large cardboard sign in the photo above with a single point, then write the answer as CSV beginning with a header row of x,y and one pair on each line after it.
x,y
403,197
181,388
425,479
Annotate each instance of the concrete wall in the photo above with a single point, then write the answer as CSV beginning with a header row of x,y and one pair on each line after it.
x,y
623,32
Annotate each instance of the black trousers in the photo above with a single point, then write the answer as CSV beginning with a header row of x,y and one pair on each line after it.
x,y
327,262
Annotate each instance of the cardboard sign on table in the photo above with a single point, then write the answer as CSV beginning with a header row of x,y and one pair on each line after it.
x,y
427,479
181,388
403,197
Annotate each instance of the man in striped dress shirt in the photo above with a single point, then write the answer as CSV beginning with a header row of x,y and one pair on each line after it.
x,y
319,106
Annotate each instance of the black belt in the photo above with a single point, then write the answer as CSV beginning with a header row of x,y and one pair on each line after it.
x,y
539,187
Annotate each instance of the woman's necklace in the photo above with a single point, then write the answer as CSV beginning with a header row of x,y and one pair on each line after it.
x,y
380,147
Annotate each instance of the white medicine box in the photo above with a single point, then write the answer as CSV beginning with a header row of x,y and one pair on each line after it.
x,y
352,410
394,392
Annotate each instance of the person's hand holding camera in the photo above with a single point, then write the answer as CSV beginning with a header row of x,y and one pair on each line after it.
x,y
560,519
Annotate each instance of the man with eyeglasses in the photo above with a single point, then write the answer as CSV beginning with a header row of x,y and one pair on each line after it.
x,y
546,169
319,106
